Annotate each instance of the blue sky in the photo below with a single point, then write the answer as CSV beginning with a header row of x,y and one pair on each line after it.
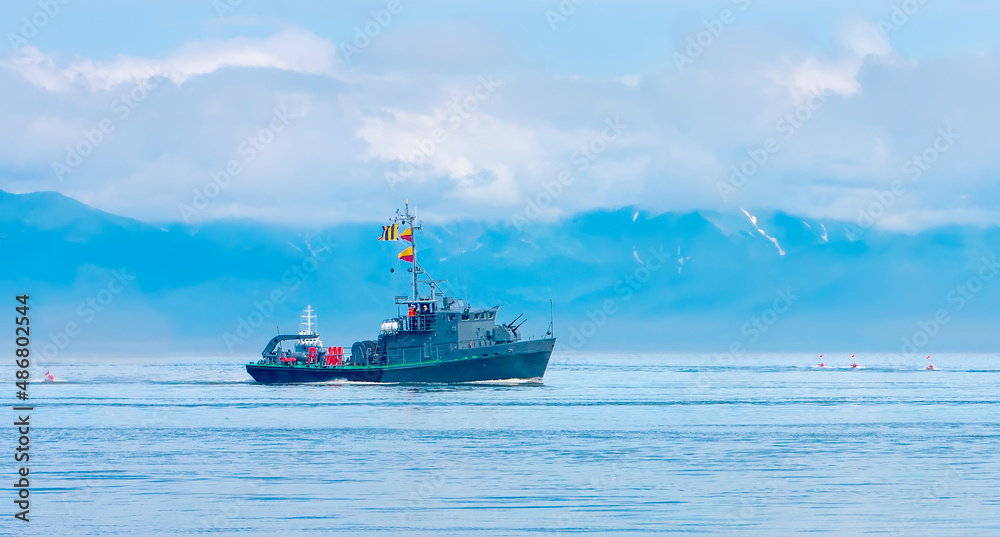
x,y
343,123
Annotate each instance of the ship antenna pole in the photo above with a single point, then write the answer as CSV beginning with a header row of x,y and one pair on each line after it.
x,y
413,246
551,321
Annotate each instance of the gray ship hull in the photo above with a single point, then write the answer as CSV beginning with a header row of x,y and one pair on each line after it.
x,y
524,360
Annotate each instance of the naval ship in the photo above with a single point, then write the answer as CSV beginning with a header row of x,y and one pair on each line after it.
x,y
438,339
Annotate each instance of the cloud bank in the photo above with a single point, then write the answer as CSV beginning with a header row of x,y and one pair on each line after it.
x,y
763,118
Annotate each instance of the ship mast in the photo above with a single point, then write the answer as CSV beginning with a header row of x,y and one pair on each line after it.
x,y
307,321
408,220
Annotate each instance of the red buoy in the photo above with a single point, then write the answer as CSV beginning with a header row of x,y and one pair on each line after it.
x,y
855,364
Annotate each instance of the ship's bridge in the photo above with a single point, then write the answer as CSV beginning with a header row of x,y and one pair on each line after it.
x,y
445,317
421,316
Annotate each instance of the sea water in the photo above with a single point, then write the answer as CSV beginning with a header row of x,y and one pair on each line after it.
x,y
607,444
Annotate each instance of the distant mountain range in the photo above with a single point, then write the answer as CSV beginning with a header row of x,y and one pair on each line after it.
x,y
620,280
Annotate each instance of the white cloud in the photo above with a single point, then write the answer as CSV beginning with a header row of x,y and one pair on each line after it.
x,y
685,131
289,50
630,80
486,159
858,41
